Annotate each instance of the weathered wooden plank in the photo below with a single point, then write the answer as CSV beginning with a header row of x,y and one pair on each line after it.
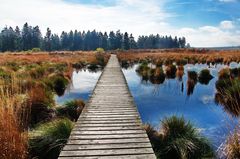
x,y
83,153
106,128
109,126
106,122
107,132
107,146
135,156
111,136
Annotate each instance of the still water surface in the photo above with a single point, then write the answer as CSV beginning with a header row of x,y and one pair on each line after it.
x,y
156,101
81,87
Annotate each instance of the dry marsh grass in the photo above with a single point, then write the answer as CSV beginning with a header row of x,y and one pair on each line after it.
x,y
13,119
181,56
26,93
54,57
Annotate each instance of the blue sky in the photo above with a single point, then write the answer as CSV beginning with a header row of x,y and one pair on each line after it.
x,y
202,22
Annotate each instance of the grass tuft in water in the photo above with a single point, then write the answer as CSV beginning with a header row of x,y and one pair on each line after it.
x,y
71,109
179,138
47,140
205,76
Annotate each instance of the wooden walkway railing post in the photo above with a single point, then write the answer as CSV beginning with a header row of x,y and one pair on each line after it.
x,y
109,126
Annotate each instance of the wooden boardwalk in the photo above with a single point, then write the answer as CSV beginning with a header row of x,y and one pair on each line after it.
x,y
109,126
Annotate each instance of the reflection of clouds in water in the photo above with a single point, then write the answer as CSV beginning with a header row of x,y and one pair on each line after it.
x,y
234,65
82,85
84,80
131,75
206,99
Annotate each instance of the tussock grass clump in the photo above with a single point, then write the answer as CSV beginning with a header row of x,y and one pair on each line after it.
x,y
58,83
171,71
47,140
178,138
224,73
228,95
4,75
228,91
38,72
235,72
41,103
71,109
205,76
143,70
180,72
232,146
157,75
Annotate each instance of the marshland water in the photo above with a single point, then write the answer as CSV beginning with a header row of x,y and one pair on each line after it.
x,y
81,86
157,100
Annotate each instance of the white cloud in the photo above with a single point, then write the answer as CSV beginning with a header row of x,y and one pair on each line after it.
x,y
226,24
135,16
228,0
210,36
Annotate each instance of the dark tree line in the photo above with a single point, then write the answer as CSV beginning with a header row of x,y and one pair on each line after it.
x,y
30,37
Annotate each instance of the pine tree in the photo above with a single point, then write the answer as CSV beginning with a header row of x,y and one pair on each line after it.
x,y
47,40
126,42
27,37
18,40
36,37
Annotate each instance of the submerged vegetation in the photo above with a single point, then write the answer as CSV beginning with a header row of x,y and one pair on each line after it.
x,y
178,138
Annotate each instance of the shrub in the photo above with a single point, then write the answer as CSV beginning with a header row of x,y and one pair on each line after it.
x,y
35,50
71,109
100,50
47,140
179,139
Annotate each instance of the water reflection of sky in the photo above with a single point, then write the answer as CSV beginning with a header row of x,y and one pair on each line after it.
x,y
155,102
81,87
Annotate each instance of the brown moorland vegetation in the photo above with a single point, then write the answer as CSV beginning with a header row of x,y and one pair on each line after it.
x,y
55,57
28,82
180,56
